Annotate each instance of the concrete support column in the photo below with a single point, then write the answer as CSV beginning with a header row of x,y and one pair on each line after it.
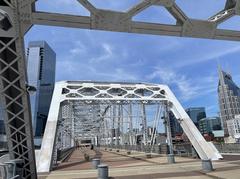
x,y
95,163
102,171
207,165
171,158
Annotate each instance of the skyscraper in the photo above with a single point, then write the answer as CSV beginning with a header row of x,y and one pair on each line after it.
x,y
229,102
41,64
196,114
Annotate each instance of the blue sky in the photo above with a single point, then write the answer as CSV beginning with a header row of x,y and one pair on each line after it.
x,y
188,66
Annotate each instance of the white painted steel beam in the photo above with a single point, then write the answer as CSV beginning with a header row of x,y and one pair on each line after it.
x,y
46,153
203,148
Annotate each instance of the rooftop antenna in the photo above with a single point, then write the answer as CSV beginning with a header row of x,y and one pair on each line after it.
x,y
220,74
219,68
228,69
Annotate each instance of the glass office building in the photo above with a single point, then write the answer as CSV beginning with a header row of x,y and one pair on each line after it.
x,y
210,124
229,100
3,139
41,64
196,114
176,128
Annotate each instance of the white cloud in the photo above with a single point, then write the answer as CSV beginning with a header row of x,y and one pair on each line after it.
x,y
215,54
78,49
65,2
106,55
117,74
62,6
187,87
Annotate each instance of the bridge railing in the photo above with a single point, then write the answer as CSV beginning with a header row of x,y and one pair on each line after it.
x,y
62,155
159,149
228,148
183,150
10,169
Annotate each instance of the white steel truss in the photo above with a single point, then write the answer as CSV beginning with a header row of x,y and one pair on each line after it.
x,y
88,93
17,17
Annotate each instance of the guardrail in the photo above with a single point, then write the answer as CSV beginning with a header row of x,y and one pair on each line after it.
x,y
159,149
183,149
228,148
3,152
63,155
10,169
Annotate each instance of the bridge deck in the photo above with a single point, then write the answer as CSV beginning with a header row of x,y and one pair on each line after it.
x,y
137,166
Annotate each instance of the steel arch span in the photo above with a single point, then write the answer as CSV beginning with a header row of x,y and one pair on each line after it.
x,y
18,16
115,93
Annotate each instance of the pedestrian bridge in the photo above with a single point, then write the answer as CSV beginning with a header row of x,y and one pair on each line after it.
x,y
113,114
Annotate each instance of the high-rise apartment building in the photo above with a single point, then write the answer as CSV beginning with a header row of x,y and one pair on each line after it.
x,y
41,64
229,102
196,114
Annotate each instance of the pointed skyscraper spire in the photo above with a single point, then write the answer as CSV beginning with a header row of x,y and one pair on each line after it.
x,y
220,74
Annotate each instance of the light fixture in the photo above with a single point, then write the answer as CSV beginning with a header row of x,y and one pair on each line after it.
x,y
31,89
5,22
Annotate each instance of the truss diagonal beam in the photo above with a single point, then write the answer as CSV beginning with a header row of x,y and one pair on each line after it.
x,y
230,4
88,6
177,13
222,16
139,8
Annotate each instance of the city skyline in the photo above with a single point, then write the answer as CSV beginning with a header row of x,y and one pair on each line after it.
x,y
191,71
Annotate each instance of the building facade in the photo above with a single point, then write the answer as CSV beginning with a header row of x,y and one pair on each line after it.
x,y
210,124
41,64
234,128
196,114
3,138
176,128
229,101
